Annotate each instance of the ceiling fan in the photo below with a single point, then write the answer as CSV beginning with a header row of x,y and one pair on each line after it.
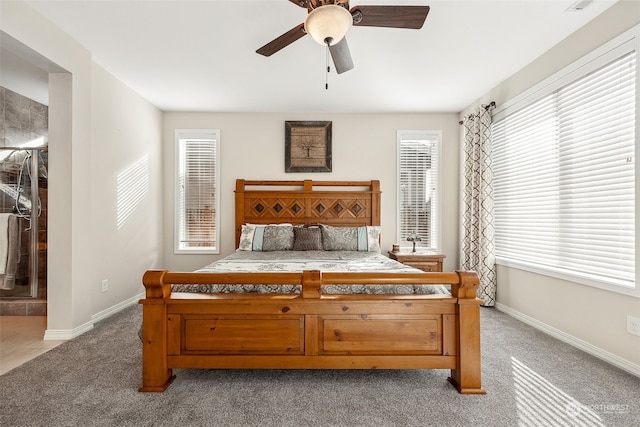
x,y
328,21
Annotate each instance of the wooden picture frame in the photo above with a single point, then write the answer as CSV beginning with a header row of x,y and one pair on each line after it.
x,y
307,146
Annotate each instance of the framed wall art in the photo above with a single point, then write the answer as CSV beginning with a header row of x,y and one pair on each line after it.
x,y
307,146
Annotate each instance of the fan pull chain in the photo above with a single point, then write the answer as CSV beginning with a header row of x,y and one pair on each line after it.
x,y
326,80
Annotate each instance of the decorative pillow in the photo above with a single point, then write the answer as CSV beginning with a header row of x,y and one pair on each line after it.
x,y
255,237
246,237
276,238
339,238
307,239
366,238
373,238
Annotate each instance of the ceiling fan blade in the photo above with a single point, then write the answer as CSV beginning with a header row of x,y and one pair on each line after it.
x,y
300,3
411,17
283,41
341,56
315,3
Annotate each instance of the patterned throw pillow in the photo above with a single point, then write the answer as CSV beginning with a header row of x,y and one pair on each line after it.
x,y
365,239
246,237
373,238
277,238
339,238
261,237
307,239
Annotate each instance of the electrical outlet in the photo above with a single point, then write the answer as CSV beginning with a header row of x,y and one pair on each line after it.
x,y
633,325
105,285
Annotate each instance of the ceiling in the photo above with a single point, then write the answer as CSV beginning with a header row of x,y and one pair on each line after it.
x,y
200,55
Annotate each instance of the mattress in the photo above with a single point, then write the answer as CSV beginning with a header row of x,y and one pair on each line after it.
x,y
297,261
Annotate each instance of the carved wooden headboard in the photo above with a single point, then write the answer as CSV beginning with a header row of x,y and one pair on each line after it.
x,y
337,203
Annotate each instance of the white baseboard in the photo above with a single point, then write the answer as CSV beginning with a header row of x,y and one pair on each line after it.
x,y
611,358
67,334
116,308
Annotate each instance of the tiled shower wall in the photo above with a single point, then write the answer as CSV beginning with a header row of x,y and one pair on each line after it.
x,y
23,119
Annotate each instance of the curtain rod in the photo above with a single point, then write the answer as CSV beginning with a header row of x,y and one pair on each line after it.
x,y
486,108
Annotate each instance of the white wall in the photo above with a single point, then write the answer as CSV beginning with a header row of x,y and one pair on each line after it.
x,y
363,148
590,318
126,183
96,127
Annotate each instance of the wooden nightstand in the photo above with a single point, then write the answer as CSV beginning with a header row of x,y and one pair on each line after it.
x,y
421,260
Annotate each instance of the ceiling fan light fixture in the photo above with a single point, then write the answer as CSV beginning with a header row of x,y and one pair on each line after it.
x,y
328,22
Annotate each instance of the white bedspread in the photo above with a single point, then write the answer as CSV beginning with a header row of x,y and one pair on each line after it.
x,y
296,261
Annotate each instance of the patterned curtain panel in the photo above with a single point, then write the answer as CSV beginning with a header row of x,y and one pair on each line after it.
x,y
477,249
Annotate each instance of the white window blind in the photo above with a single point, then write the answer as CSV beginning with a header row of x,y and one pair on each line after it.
x,y
197,201
418,178
564,177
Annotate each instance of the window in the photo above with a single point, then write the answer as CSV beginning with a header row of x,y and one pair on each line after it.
x,y
565,173
418,188
197,195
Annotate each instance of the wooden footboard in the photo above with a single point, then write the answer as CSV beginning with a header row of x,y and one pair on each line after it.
x,y
311,330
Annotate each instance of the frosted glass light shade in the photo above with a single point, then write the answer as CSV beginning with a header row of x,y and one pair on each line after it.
x,y
328,21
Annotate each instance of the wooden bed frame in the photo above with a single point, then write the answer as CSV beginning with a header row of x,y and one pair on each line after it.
x,y
310,330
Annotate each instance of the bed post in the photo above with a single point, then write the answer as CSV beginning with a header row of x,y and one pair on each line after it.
x,y
375,202
239,209
467,375
156,376
311,284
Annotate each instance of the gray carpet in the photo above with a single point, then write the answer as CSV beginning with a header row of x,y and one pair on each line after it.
x,y
531,379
